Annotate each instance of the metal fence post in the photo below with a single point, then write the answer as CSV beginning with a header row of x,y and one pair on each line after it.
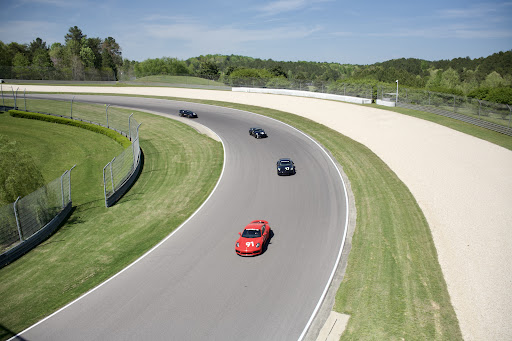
x,y
138,130
25,98
2,91
509,114
71,111
62,188
105,184
454,104
112,175
396,98
17,219
70,181
106,112
129,126
14,97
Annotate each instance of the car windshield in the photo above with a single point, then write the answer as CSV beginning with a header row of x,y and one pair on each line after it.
x,y
251,234
285,162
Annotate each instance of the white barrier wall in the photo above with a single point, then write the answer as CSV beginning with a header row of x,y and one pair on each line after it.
x,y
386,103
320,95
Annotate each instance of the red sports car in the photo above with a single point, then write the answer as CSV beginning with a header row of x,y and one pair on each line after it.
x,y
253,239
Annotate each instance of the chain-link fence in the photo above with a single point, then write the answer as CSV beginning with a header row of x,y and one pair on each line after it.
x,y
118,174
439,103
28,215
335,88
39,213
120,171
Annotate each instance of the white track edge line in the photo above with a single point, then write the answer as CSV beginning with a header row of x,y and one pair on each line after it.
x,y
138,259
326,289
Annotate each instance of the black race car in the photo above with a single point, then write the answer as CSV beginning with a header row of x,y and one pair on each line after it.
x,y
257,132
187,113
285,167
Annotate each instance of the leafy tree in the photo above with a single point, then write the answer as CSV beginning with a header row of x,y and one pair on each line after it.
x,y
20,65
95,45
209,70
434,79
500,95
450,79
279,83
41,59
77,68
5,57
87,56
494,80
73,40
14,48
278,71
111,54
37,45
41,63
59,55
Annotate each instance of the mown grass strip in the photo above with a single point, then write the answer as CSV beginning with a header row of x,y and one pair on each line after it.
x,y
97,242
393,288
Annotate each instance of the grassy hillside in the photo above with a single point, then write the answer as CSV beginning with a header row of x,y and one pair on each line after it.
x,y
56,148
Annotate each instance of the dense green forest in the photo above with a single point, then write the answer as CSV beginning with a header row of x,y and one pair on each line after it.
x,y
488,78
82,58
79,58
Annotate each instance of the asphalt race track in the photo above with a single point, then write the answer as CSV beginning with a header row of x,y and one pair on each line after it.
x,y
193,286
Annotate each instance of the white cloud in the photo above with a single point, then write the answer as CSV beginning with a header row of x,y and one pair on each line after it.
x,y
282,6
444,32
196,35
55,3
476,11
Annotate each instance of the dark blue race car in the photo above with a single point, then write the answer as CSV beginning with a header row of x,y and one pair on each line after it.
x,y
285,167
187,113
257,133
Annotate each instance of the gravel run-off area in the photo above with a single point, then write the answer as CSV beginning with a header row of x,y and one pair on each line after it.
x,y
462,184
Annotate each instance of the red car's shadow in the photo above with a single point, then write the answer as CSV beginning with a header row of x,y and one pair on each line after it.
x,y
271,235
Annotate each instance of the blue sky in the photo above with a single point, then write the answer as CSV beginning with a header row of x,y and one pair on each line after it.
x,y
349,32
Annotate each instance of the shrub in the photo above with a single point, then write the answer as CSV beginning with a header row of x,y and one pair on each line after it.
x,y
123,141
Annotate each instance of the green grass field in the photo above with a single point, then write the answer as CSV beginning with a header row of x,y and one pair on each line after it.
x,y
55,148
393,288
167,79
96,242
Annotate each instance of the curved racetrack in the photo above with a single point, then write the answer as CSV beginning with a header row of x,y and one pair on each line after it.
x,y
193,286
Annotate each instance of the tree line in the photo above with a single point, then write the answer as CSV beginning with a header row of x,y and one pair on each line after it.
x,y
82,58
79,58
487,78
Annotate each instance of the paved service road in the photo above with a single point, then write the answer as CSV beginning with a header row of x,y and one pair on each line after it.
x,y
194,286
